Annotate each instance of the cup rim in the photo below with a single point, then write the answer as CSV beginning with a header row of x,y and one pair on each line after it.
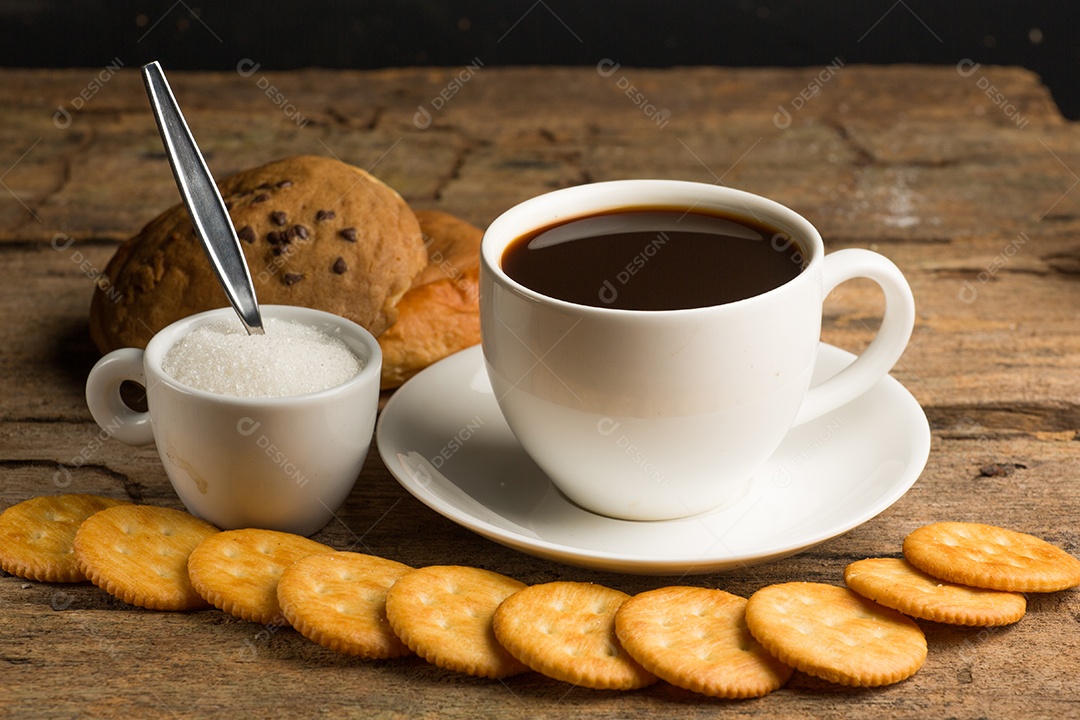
x,y
609,195
168,336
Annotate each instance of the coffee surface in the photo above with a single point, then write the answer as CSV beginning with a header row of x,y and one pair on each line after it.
x,y
654,259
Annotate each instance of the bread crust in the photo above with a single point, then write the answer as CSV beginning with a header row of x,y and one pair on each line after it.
x,y
440,314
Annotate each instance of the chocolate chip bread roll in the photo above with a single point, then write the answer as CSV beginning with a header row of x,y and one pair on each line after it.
x,y
315,231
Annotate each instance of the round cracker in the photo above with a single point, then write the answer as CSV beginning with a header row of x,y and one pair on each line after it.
x,y
835,634
991,557
896,583
338,600
443,613
37,535
238,570
566,630
139,554
697,639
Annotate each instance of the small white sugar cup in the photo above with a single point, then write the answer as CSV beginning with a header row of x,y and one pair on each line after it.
x,y
652,415
282,463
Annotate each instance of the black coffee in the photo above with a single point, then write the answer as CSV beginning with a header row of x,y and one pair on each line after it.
x,y
654,259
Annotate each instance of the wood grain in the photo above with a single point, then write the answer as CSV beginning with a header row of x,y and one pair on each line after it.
x,y
982,214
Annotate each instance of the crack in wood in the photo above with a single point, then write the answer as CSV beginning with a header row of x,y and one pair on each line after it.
x,y
863,157
460,158
133,488
984,419
10,660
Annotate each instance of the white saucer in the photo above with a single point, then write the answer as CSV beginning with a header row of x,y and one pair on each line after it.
x,y
443,437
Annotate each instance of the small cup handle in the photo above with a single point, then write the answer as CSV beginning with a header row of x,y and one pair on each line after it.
x,y
885,349
103,397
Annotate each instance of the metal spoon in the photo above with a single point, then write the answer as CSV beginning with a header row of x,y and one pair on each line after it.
x,y
203,201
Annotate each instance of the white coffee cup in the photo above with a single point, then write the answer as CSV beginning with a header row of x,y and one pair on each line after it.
x,y
651,415
283,463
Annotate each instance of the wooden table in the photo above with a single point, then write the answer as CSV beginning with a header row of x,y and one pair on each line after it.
x,y
965,176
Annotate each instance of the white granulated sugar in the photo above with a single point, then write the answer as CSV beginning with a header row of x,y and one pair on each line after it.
x,y
290,359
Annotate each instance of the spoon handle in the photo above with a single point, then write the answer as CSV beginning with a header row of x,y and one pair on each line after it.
x,y
203,201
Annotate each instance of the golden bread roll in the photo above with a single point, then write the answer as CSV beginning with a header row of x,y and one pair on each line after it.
x,y
440,314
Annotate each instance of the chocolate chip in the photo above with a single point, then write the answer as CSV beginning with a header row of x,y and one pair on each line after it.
x,y
325,215
348,234
228,204
276,237
246,234
261,197
285,184
339,266
299,231
265,186
279,218
291,278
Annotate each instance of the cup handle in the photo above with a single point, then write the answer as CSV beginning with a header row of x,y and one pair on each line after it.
x,y
885,349
103,397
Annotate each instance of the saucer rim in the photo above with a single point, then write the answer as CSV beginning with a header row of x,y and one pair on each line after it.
x,y
919,442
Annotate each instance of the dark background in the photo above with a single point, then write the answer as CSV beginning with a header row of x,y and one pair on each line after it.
x,y
189,34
